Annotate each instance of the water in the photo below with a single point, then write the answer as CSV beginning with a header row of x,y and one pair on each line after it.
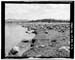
x,y
14,34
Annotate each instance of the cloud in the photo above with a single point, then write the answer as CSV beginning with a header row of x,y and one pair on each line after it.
x,y
37,11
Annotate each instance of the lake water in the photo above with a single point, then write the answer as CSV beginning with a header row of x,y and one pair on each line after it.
x,y
14,34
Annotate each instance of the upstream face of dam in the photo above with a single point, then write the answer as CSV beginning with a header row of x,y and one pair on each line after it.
x,y
35,39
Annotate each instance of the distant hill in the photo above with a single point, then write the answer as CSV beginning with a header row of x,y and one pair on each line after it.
x,y
38,20
49,20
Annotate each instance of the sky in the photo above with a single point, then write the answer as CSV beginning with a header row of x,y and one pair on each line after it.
x,y
37,11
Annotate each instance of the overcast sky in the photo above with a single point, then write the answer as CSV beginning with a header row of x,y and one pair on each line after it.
x,y
37,11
